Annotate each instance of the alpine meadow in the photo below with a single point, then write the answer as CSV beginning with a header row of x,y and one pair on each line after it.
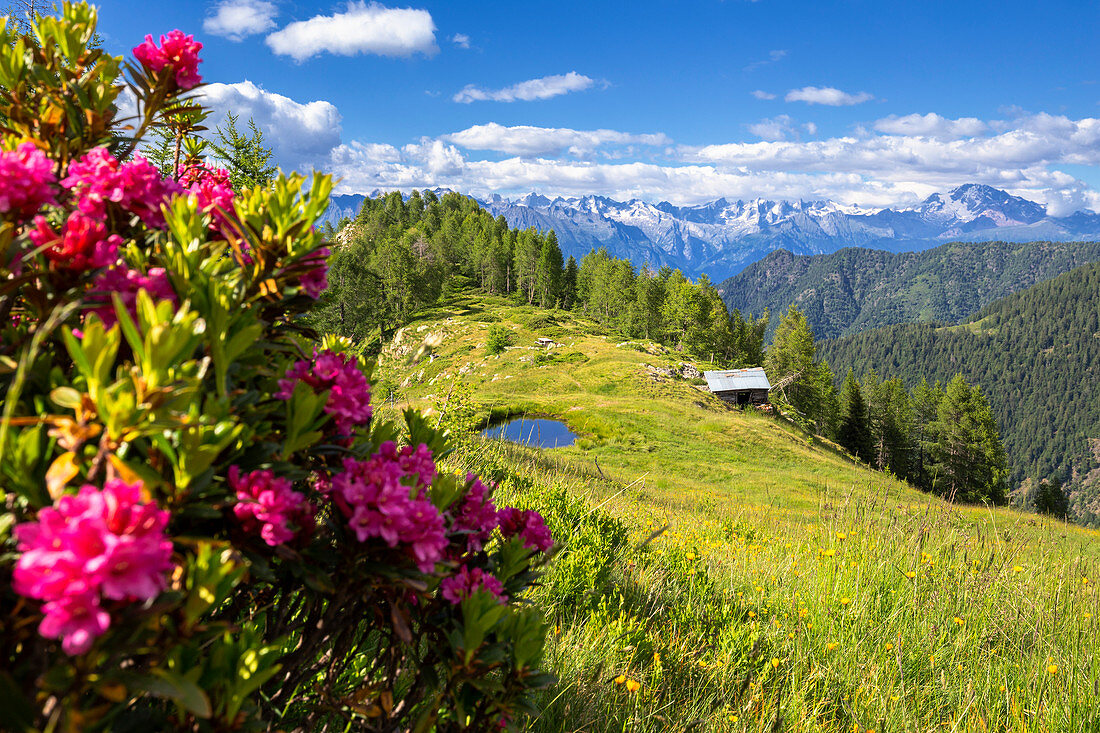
x,y
726,367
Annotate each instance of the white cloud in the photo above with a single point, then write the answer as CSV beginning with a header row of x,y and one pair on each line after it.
x,y
931,125
461,40
525,140
541,88
775,128
870,168
362,29
299,134
237,19
826,95
761,94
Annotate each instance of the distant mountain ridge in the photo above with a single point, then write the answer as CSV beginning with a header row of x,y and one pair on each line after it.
x,y
855,289
722,237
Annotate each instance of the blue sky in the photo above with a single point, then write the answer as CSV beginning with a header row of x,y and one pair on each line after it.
x,y
868,103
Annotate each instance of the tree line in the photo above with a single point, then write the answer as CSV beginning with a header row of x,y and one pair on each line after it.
x,y
942,439
665,306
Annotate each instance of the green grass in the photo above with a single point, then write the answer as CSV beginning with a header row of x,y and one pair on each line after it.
x,y
791,589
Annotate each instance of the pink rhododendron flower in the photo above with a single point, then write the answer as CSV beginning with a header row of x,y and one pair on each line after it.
x,y
349,392
83,243
178,51
315,280
99,544
466,582
203,173
269,504
529,525
75,619
385,497
127,283
27,181
477,515
211,188
98,178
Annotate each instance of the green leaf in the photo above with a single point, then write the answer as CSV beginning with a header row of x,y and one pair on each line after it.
x,y
66,397
173,686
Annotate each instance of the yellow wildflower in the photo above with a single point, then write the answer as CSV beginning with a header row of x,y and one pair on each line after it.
x,y
633,685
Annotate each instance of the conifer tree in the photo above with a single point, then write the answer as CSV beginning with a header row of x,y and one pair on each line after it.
x,y
969,459
245,155
1051,499
854,432
791,357
549,271
569,284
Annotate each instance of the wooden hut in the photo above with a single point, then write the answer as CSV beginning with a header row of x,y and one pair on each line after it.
x,y
740,386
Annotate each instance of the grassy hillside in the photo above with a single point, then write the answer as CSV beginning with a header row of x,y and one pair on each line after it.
x,y
721,571
1035,354
856,289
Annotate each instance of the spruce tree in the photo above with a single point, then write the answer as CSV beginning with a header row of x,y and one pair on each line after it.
x,y
569,284
245,155
855,431
1051,499
969,459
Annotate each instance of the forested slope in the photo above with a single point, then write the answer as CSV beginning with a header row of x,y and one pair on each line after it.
x,y
856,289
398,256
1036,355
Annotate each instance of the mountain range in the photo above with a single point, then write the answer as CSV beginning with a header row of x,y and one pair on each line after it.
x,y
854,289
722,237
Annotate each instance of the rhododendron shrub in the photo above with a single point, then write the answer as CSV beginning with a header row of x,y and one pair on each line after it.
x,y
205,525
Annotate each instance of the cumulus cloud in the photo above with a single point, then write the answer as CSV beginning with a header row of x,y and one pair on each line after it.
x,y
461,40
871,169
542,88
931,125
237,19
761,94
362,29
299,134
432,163
525,140
827,95
775,128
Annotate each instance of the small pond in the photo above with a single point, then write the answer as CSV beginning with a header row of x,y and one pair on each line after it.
x,y
533,431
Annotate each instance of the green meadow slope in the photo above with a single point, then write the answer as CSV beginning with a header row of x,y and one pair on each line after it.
x,y
722,570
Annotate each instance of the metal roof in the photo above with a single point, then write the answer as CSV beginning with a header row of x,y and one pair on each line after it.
x,y
733,379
